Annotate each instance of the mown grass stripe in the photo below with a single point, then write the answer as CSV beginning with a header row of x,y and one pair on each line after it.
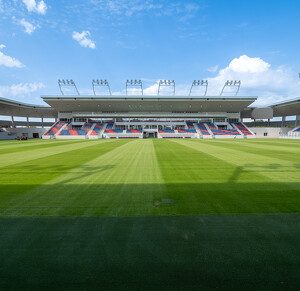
x,y
104,185
20,157
32,142
133,178
36,146
287,153
202,183
273,168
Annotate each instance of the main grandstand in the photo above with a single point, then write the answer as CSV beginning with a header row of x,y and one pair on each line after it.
x,y
151,116
139,116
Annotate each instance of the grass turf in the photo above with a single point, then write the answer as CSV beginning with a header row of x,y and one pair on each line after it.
x,y
129,179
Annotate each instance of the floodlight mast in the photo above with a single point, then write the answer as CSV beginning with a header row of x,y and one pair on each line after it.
x,y
65,83
228,83
199,83
134,83
166,83
100,83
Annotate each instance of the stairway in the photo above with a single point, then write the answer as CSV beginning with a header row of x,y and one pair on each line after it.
x,y
91,130
198,130
63,127
235,127
102,130
209,131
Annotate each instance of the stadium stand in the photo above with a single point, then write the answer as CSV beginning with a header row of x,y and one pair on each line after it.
x,y
97,128
134,131
242,128
166,131
73,132
55,128
203,129
189,130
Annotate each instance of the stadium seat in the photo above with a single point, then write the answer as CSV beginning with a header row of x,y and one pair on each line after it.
x,y
242,128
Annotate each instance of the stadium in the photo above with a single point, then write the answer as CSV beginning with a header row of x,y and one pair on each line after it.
x,y
149,192
139,116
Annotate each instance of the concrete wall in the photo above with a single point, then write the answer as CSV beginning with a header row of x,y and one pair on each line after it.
x,y
26,132
272,132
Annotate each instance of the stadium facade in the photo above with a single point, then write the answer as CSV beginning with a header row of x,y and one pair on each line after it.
x,y
139,116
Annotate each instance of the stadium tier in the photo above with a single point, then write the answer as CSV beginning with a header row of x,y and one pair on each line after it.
x,y
242,128
203,129
166,131
56,128
179,129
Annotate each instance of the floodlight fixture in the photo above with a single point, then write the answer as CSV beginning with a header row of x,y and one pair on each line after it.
x,y
100,83
199,83
166,83
134,84
66,83
232,83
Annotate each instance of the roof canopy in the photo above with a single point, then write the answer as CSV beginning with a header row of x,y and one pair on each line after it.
x,y
142,104
14,108
287,108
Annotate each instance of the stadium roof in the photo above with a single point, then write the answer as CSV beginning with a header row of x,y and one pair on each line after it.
x,y
144,104
287,108
16,108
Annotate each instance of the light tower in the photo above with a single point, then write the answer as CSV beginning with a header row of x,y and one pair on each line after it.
x,y
66,83
166,83
100,83
234,84
199,83
134,84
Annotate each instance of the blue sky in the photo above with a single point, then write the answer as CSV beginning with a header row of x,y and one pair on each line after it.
x,y
256,42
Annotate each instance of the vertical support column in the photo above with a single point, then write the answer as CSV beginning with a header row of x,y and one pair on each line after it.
x,y
27,121
283,121
269,122
254,122
297,121
42,122
12,121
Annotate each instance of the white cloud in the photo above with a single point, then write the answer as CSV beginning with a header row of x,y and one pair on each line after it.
x,y
29,27
244,64
258,78
20,89
83,39
8,61
39,7
125,7
213,69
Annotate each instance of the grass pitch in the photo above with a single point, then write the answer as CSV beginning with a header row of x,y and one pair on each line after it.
x,y
88,214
